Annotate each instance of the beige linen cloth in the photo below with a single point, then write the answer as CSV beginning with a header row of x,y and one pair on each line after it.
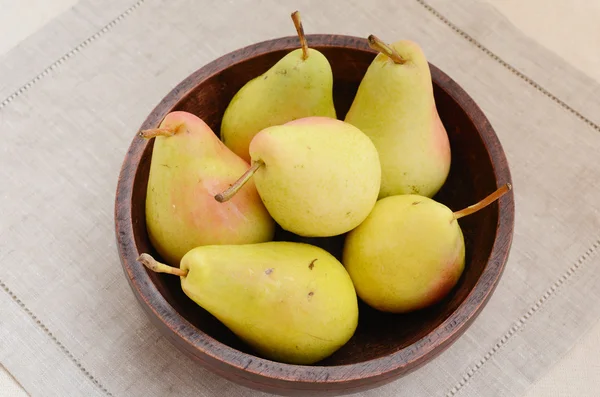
x,y
73,95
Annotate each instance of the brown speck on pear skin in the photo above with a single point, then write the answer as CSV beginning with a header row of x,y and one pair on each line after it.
x,y
417,202
269,271
310,295
312,264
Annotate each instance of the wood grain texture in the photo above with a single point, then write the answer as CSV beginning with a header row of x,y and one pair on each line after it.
x,y
385,346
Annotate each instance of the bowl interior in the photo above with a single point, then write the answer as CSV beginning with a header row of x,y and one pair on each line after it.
x,y
471,178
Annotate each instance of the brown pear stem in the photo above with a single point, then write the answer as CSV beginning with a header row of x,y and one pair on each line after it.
x,y
483,203
154,265
152,133
233,189
300,30
378,45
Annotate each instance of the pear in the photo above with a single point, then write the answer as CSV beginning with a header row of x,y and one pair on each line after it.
x,y
299,85
189,166
317,176
291,302
395,107
409,253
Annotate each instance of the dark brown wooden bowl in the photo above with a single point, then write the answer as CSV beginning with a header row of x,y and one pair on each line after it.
x,y
384,346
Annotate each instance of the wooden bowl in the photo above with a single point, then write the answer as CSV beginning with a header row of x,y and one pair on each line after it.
x,y
385,346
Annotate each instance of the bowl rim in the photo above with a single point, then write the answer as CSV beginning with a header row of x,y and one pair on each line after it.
x,y
386,367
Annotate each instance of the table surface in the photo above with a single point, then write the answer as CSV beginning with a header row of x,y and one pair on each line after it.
x,y
563,26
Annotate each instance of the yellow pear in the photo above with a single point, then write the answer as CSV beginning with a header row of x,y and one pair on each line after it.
x,y
299,85
291,302
317,176
395,107
409,253
189,166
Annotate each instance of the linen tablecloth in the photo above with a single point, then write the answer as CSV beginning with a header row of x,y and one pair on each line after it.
x,y
73,95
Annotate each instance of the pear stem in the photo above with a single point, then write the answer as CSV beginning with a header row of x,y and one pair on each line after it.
x,y
152,264
233,189
378,45
152,133
483,203
300,30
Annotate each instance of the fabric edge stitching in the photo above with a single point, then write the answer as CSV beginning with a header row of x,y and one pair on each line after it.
x,y
58,343
520,323
508,66
70,54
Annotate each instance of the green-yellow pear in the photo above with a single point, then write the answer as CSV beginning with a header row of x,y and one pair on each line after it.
x,y
291,302
409,253
317,176
395,107
189,166
299,85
